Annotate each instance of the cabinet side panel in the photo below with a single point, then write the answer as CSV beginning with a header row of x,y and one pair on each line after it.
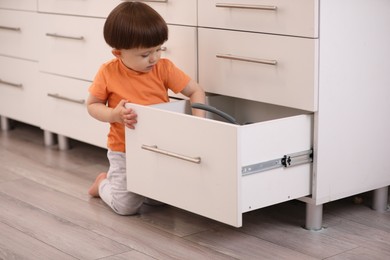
x,y
352,123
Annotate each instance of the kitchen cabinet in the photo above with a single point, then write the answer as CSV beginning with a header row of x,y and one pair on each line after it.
x,y
326,58
18,60
311,76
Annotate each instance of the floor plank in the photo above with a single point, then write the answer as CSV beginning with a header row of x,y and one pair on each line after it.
x,y
46,213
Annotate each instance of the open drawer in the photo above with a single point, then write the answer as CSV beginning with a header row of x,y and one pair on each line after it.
x,y
218,169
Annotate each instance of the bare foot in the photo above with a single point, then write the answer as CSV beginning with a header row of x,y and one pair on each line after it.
x,y
94,189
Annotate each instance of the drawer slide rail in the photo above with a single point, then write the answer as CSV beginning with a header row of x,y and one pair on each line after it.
x,y
288,160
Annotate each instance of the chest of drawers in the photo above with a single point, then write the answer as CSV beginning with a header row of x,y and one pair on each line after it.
x,y
310,75
306,55
18,58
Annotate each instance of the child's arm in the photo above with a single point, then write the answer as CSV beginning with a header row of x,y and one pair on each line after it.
x,y
196,95
97,108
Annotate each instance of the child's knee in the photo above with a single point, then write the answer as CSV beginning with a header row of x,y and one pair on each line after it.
x,y
125,211
129,206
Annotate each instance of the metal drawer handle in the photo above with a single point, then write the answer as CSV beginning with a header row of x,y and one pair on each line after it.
x,y
57,96
18,85
154,148
256,7
55,35
233,57
10,28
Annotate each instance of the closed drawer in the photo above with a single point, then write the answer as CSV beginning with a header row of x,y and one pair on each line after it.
x,y
19,98
64,110
181,49
274,69
19,34
206,172
93,8
28,5
72,46
298,17
173,11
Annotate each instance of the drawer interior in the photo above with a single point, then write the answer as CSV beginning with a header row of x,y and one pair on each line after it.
x,y
243,111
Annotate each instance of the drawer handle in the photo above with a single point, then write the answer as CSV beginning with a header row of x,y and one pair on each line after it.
x,y
55,35
154,148
57,96
10,28
18,85
233,57
256,7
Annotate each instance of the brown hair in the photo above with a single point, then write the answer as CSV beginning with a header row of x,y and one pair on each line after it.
x,y
134,25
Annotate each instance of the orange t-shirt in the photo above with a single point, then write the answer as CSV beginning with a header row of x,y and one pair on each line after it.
x,y
114,82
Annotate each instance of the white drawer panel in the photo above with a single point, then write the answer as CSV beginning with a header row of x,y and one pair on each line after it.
x,y
173,11
215,187
291,82
72,46
28,5
19,98
298,17
65,111
19,34
181,48
94,8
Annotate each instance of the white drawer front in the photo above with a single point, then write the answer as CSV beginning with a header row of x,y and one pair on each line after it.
x,y
19,34
72,46
274,69
65,111
181,48
298,17
94,8
215,187
173,11
19,98
28,5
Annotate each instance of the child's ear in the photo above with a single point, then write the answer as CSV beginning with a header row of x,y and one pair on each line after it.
x,y
117,53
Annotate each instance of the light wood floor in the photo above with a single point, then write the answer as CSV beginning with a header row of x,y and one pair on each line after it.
x,y
45,213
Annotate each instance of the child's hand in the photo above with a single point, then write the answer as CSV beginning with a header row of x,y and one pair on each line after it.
x,y
126,116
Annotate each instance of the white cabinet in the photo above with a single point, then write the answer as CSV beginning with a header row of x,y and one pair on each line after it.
x,y
26,5
328,58
72,46
269,68
72,50
218,169
65,110
19,98
310,75
19,34
296,17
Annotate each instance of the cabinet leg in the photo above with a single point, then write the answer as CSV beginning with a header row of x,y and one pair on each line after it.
x,y
48,138
63,142
5,123
313,217
380,199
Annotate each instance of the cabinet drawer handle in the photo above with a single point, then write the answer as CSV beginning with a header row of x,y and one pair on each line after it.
x,y
57,96
241,6
55,35
233,57
18,85
10,28
154,148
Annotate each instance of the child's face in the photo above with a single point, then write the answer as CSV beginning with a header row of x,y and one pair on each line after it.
x,y
140,60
